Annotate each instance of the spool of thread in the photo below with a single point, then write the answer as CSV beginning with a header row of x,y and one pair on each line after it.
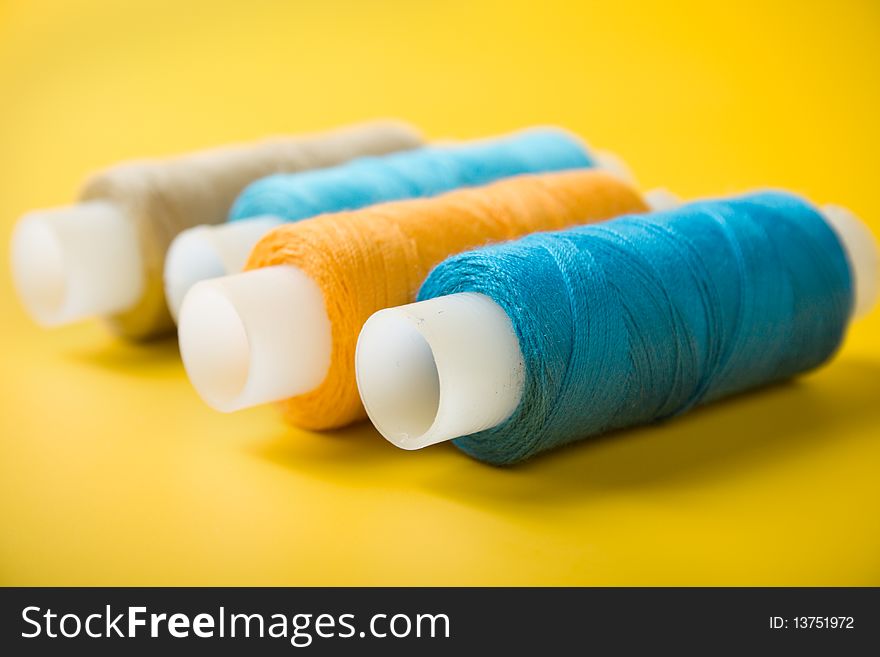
x,y
525,346
104,256
287,330
211,251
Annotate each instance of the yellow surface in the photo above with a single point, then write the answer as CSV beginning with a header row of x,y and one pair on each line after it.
x,y
113,472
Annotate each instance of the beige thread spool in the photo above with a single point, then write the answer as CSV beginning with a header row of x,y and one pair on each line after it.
x,y
104,256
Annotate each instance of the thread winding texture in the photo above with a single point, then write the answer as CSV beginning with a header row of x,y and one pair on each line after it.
x,y
413,174
164,197
641,318
376,258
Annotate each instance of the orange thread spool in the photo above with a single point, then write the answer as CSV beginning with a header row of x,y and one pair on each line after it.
x,y
376,258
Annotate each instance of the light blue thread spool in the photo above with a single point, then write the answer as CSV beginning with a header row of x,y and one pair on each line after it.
x,y
412,174
212,251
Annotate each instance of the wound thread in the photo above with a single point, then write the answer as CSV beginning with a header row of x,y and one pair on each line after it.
x,y
419,173
644,317
377,258
164,197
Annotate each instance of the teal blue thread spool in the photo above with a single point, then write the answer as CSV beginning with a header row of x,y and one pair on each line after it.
x,y
526,346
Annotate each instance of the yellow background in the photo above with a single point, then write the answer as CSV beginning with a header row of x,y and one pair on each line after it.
x,y
112,471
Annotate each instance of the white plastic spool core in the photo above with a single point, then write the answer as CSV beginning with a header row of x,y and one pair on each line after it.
x,y
439,369
614,165
862,254
451,366
660,199
254,337
76,262
205,252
